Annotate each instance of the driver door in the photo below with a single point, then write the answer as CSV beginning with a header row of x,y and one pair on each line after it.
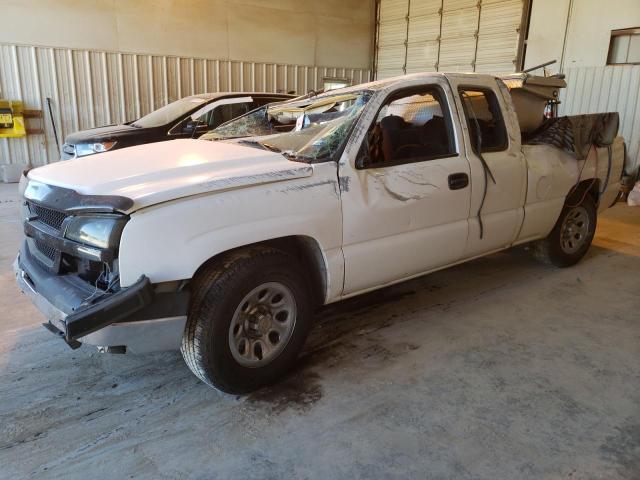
x,y
406,207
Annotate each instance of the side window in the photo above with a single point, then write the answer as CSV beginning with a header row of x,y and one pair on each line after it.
x,y
410,127
486,126
210,119
221,114
224,113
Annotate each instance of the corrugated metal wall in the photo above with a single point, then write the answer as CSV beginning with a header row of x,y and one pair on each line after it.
x,y
607,89
93,88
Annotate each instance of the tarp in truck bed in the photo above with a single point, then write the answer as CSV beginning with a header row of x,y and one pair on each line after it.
x,y
576,133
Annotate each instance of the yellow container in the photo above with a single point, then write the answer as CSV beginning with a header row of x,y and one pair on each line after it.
x,y
11,119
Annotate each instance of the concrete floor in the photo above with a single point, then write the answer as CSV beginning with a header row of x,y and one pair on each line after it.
x,y
498,369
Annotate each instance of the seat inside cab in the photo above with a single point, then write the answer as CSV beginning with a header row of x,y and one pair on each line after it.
x,y
409,126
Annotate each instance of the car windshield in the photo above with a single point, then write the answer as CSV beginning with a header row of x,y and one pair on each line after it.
x,y
169,113
310,130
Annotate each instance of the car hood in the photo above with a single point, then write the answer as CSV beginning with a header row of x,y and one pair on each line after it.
x,y
159,172
101,134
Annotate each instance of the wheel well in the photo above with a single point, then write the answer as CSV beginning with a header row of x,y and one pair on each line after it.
x,y
305,249
590,186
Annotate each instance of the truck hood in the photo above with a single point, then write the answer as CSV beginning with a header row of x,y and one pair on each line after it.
x,y
159,172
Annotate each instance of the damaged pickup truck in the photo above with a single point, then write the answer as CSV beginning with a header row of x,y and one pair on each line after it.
x,y
223,248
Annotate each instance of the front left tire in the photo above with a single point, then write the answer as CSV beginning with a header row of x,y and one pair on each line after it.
x,y
249,317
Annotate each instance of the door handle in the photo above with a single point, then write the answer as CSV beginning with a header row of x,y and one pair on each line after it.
x,y
458,181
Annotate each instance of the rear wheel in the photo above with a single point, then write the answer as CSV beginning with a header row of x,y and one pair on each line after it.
x,y
571,237
249,317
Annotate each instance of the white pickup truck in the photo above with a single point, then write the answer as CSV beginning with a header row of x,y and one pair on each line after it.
x,y
223,248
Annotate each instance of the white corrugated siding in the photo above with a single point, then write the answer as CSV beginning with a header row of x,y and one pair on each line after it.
x,y
423,36
459,35
498,36
93,88
391,48
607,89
447,35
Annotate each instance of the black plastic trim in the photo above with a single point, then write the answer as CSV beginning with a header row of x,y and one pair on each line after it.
x,y
164,305
74,344
458,181
67,200
113,308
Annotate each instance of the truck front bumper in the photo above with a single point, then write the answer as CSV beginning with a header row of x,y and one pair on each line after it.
x,y
133,319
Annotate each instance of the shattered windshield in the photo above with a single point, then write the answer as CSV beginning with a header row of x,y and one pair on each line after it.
x,y
311,130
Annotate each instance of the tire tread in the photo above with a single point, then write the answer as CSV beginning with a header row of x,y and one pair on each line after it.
x,y
547,250
210,285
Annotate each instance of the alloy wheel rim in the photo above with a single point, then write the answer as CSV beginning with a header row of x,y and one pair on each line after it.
x,y
575,230
262,324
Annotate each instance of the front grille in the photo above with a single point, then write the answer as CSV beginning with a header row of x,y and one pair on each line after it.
x,y
47,250
48,216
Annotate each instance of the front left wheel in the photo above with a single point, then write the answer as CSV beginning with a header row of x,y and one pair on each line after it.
x,y
249,317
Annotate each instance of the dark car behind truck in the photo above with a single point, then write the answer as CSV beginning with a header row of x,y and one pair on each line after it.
x,y
188,117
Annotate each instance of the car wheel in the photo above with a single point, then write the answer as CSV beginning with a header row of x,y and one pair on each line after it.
x,y
571,236
249,317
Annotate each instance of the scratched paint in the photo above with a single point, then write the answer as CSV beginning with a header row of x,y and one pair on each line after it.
x,y
405,185
344,183
308,186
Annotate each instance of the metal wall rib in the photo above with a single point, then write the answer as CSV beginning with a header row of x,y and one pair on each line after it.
x,y
607,89
92,88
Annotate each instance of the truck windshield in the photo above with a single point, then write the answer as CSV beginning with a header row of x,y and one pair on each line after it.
x,y
310,130
169,113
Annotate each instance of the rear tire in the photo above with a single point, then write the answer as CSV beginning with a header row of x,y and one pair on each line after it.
x,y
249,317
571,236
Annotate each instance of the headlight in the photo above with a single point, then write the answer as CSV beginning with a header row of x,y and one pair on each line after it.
x,y
83,149
99,231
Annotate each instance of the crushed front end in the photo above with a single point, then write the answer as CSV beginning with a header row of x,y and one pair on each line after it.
x,y
68,266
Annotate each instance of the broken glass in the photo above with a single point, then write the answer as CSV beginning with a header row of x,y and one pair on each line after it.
x,y
309,130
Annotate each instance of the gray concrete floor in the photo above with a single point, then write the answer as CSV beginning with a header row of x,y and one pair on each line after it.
x,y
497,369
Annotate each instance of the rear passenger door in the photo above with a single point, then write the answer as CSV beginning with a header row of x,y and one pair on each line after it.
x,y
406,198
492,143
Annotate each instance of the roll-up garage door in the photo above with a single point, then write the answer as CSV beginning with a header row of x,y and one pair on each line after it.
x,y
391,48
447,35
